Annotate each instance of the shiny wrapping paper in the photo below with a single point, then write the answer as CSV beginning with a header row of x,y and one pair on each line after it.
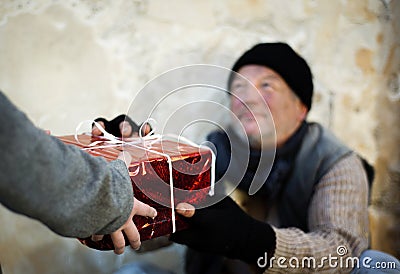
x,y
150,176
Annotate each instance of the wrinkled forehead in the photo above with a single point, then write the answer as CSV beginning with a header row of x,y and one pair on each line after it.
x,y
252,73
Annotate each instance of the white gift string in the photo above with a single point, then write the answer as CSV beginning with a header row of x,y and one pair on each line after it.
x,y
114,140
147,142
107,135
171,180
212,178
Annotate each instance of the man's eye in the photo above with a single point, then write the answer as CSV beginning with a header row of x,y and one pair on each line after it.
x,y
237,87
265,85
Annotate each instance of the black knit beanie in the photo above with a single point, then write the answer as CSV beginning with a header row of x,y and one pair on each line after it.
x,y
281,58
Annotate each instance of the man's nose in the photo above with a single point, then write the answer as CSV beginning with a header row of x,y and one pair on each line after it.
x,y
250,94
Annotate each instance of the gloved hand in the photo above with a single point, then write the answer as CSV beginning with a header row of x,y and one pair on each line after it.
x,y
120,126
225,229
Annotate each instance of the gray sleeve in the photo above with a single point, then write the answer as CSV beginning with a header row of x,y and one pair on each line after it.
x,y
70,191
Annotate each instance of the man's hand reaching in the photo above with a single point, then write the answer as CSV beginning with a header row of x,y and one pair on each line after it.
x,y
225,229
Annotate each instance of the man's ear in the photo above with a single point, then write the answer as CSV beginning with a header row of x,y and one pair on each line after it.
x,y
302,111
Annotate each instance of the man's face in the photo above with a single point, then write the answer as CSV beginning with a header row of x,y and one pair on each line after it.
x,y
251,98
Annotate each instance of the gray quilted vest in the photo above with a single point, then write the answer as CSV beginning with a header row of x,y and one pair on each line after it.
x,y
319,152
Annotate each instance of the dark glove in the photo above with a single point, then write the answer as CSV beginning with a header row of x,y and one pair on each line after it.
x,y
225,229
113,126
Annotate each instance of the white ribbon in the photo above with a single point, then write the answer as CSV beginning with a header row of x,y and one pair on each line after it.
x,y
147,142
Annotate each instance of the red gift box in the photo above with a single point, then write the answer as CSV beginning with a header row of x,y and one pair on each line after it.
x,y
153,159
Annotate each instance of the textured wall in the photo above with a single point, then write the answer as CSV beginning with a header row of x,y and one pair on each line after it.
x,y
66,61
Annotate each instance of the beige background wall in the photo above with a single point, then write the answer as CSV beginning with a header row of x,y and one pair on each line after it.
x,y
66,61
